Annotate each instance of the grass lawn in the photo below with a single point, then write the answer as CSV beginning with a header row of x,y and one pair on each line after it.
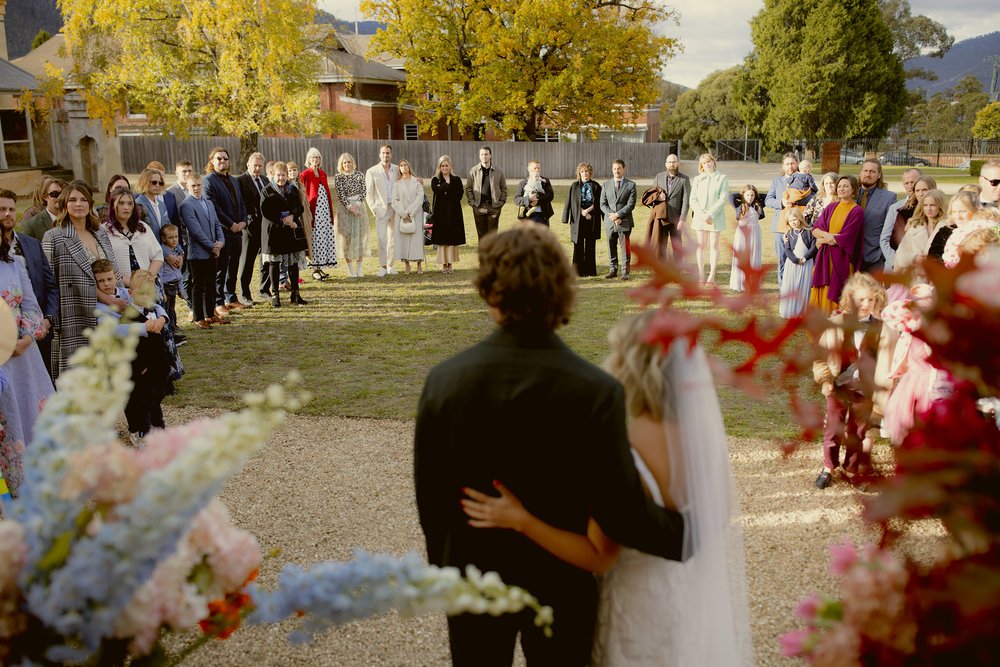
x,y
365,345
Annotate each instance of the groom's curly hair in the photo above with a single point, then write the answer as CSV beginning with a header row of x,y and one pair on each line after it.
x,y
525,274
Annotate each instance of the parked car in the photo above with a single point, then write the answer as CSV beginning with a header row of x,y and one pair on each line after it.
x,y
847,156
903,159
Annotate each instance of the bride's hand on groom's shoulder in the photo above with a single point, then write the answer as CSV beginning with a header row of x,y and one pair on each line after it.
x,y
505,511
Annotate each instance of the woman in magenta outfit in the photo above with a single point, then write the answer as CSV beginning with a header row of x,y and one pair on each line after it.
x,y
838,233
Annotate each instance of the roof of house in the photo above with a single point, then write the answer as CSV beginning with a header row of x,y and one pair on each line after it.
x,y
48,52
336,66
13,79
358,45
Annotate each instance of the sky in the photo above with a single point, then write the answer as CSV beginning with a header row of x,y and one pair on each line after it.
x,y
712,43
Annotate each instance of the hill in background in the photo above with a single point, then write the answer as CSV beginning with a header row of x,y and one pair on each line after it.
x,y
965,58
24,19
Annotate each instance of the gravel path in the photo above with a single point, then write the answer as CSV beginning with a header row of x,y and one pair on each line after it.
x,y
325,485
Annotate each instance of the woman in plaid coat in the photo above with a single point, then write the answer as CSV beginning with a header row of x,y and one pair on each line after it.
x,y
75,243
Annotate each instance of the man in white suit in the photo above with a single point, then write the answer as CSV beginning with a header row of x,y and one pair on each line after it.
x,y
379,181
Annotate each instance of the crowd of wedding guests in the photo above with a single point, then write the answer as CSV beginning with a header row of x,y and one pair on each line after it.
x,y
838,244
203,238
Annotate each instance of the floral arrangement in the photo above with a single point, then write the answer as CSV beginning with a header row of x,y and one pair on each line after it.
x,y
891,610
109,548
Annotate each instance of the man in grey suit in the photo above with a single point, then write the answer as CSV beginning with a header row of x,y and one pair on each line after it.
x,y
617,202
677,187
486,192
875,200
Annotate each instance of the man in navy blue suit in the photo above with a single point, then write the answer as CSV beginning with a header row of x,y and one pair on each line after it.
x,y
223,190
43,282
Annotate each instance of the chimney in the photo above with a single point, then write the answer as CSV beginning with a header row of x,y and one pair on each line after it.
x,y
3,30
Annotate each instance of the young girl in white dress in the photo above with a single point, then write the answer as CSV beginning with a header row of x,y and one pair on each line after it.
x,y
653,611
747,236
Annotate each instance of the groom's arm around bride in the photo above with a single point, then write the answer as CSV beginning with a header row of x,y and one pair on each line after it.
x,y
522,408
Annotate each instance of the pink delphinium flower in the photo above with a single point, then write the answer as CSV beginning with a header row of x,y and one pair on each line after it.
x,y
809,607
169,598
843,556
232,553
162,445
875,600
106,472
796,643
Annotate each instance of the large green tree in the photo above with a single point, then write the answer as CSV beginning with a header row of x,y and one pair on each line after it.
x,y
519,65
951,114
236,67
707,113
821,68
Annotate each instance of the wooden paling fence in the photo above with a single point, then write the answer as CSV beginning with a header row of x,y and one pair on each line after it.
x,y
559,160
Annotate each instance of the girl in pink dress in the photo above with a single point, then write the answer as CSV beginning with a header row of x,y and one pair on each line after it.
x,y
912,375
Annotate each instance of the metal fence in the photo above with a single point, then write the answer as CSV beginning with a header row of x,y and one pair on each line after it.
x,y
737,150
559,160
954,153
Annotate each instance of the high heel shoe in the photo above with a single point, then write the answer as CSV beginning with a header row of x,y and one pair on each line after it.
x,y
276,301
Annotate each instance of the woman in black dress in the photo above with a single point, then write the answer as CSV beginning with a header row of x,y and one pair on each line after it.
x,y
449,224
583,214
282,236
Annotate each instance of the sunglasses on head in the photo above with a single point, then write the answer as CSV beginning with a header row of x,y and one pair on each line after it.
x,y
992,181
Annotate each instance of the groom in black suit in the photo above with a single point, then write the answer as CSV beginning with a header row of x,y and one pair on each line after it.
x,y
521,407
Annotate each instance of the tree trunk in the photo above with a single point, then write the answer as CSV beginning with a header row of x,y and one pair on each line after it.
x,y
248,146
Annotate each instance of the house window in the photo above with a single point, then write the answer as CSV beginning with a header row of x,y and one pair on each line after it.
x,y
547,135
410,132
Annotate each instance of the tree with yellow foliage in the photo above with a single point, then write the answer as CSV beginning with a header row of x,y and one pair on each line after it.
x,y
519,65
234,67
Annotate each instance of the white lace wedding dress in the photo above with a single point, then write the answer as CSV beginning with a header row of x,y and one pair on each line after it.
x,y
693,613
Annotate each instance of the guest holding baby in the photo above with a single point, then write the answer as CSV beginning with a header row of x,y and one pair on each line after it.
x,y
534,196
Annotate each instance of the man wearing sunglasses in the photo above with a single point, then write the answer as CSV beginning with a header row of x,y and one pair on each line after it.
x,y
989,181
41,223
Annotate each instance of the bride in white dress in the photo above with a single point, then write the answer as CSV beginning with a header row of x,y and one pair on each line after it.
x,y
654,611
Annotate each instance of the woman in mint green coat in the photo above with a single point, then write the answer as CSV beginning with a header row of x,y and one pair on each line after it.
x,y
709,194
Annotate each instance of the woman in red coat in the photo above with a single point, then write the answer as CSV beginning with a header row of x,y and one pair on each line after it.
x,y
317,190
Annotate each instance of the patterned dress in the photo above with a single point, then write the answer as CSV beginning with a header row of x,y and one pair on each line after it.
x,y
352,229
29,384
316,188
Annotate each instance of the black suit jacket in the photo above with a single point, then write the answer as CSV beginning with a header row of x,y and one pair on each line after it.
x,y
526,410
544,198
251,201
678,197
228,211
43,280
573,216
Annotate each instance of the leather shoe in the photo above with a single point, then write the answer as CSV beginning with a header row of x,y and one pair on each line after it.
x,y
824,480
235,305
276,301
221,311
613,273
203,324
626,275
221,320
